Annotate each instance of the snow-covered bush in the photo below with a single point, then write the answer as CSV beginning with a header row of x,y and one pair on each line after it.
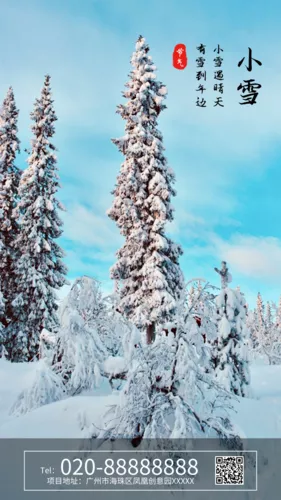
x,y
200,302
47,345
230,355
47,388
117,367
72,359
113,327
80,352
168,393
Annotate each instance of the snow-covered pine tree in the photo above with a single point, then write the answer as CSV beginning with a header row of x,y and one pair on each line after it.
x,y
261,323
9,181
148,263
231,354
270,342
278,315
260,315
39,270
264,327
268,316
252,323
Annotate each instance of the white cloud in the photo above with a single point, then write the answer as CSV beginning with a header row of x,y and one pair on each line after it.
x,y
254,257
85,227
184,221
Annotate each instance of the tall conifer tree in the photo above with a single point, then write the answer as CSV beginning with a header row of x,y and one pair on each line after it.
x,y
40,269
260,312
147,264
278,315
9,181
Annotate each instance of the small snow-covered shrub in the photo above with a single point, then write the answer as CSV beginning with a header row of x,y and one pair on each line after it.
x,y
80,351
168,393
46,388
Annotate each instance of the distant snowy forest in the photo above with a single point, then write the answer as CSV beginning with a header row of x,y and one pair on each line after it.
x,y
176,349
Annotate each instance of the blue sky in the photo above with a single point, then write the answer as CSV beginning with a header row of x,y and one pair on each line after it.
x,y
226,160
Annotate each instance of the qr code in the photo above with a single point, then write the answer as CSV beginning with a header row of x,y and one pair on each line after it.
x,y
229,470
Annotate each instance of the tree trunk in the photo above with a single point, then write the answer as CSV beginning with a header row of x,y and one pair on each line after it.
x,y
150,333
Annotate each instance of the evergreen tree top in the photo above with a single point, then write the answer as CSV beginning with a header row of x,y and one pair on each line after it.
x,y
44,115
9,142
145,93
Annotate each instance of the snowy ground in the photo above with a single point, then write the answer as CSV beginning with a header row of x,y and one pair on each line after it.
x,y
258,417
